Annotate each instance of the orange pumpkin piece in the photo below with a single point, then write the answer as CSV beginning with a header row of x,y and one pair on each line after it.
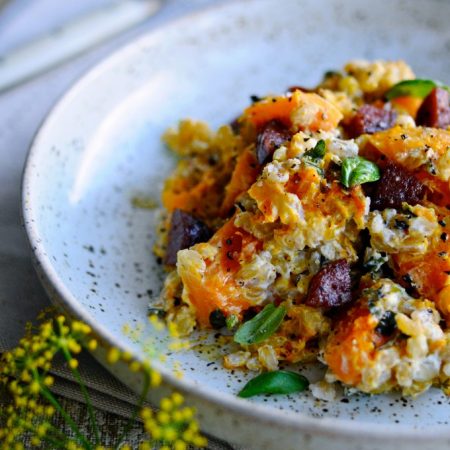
x,y
352,345
269,197
397,142
306,185
439,190
428,274
332,202
214,286
244,175
305,111
409,104
443,303
271,108
180,193
312,112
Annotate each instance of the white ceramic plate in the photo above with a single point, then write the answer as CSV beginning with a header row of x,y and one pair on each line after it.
x,y
101,146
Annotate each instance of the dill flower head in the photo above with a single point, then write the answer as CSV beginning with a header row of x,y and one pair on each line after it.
x,y
25,376
173,426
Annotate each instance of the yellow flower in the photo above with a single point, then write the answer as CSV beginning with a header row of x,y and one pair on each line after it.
x,y
49,380
135,366
35,387
92,345
179,445
73,363
146,413
73,345
25,372
166,404
200,441
113,355
126,356
163,417
155,379
35,441
177,399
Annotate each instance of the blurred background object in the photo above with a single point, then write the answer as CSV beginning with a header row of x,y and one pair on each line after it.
x,y
68,37
3,3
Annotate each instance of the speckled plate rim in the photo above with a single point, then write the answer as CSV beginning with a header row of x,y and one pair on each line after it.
x,y
64,298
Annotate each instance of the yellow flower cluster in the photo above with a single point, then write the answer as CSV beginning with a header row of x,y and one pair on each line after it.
x,y
152,377
173,426
24,373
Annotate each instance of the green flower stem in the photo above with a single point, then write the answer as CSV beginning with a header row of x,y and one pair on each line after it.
x,y
140,402
50,398
85,393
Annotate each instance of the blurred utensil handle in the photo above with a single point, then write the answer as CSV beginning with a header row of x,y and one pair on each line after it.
x,y
72,39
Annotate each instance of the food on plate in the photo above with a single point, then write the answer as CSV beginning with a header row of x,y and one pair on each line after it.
x,y
316,227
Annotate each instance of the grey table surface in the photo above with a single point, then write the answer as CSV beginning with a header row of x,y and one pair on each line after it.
x,y
22,110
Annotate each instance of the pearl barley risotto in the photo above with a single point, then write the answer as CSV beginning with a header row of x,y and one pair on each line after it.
x,y
316,227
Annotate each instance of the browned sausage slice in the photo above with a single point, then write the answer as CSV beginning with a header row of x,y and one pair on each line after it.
x,y
396,186
331,286
185,231
435,109
273,135
299,88
370,119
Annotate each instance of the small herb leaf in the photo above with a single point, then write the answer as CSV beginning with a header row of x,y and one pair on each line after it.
x,y
357,170
232,321
280,382
314,156
318,152
263,325
419,88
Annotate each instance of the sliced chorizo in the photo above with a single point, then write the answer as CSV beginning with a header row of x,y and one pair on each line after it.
x,y
299,88
435,110
331,286
396,186
272,135
369,119
185,231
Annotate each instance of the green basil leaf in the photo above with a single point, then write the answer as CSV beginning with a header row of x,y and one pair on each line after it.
x,y
263,325
358,170
419,88
318,152
280,382
314,156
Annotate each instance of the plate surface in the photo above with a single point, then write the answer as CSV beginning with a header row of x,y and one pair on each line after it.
x,y
101,146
